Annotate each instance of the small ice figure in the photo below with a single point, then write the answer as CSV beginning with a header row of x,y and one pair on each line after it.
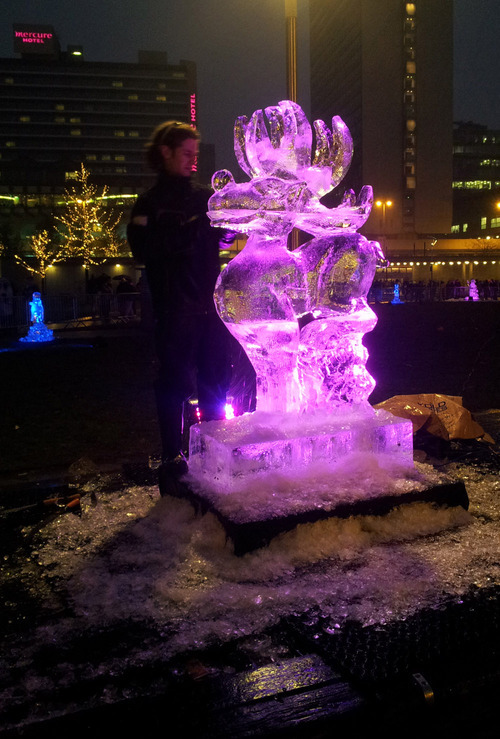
x,y
473,293
38,331
301,315
396,299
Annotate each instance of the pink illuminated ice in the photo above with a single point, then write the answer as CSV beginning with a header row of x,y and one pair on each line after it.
x,y
301,315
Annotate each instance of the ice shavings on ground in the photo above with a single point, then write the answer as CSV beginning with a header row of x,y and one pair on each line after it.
x,y
135,558
277,493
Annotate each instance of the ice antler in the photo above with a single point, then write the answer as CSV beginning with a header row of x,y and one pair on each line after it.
x,y
283,148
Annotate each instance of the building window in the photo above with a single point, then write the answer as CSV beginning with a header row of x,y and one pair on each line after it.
x,y
133,134
495,223
24,118
117,83
59,106
119,133
411,67
9,80
133,97
106,157
465,226
10,144
71,175
91,157
484,223
455,229
410,8
119,158
410,183
161,98
75,120
60,119
410,124
76,132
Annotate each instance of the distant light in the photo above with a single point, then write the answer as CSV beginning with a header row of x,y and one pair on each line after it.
x,y
229,411
76,53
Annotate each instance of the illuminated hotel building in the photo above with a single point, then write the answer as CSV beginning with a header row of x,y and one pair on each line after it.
x,y
58,111
386,68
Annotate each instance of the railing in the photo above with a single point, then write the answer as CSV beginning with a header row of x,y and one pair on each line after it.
x,y
430,292
72,310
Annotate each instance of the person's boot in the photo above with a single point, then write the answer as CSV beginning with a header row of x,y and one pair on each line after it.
x,y
170,476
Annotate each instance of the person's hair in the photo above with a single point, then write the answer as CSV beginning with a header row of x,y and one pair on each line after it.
x,y
172,134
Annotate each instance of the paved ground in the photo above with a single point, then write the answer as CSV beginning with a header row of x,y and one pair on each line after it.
x,y
87,402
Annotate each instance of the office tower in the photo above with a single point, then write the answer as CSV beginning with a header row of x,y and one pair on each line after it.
x,y
385,66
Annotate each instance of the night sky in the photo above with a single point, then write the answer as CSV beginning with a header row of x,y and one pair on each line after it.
x,y
239,47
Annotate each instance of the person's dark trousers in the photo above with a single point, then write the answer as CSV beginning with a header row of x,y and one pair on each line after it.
x,y
193,357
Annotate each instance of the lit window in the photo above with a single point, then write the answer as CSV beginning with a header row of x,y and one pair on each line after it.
x,y
161,98
410,8
71,175
119,158
10,144
117,83
75,120
59,106
179,75
91,157
411,67
60,119
410,124
495,223
133,97
76,132
24,118
106,157
119,133
484,223
9,80
162,86
133,134
410,183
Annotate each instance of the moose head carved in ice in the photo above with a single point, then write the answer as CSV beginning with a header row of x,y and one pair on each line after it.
x,y
300,315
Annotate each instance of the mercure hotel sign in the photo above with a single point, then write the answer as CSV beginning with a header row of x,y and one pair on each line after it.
x,y
34,39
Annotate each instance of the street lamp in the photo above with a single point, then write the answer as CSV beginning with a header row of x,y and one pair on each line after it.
x,y
384,204
291,76
291,49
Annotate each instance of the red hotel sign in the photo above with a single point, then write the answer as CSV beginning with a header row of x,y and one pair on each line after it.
x,y
34,39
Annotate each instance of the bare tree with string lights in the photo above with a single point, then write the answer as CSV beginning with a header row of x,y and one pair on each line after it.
x,y
87,226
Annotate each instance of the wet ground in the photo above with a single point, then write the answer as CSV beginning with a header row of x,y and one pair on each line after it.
x,y
125,611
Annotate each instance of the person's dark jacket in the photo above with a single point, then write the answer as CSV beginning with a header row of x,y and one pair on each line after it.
x,y
178,247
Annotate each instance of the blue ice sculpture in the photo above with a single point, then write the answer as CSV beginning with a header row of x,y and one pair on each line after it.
x,y
396,299
38,331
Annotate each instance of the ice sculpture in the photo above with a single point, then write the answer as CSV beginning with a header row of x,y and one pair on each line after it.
x,y
396,299
299,315
473,291
38,331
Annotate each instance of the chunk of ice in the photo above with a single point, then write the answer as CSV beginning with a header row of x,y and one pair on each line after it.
x,y
225,454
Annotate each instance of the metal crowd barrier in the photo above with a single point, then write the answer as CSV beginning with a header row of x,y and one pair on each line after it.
x,y
72,311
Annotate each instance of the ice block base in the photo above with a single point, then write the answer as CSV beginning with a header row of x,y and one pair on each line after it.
x,y
224,454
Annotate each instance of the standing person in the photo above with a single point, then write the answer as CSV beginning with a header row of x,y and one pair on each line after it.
x,y
170,233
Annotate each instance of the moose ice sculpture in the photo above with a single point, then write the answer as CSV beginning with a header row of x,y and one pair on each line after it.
x,y
301,315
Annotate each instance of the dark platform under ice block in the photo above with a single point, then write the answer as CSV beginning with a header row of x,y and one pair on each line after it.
x,y
250,534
